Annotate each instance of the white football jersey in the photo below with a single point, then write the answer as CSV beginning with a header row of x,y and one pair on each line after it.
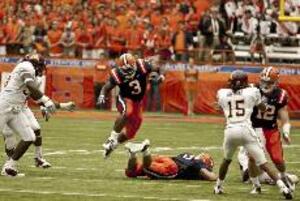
x,y
15,90
238,106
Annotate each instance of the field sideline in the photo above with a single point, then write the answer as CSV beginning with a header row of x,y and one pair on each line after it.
x,y
72,143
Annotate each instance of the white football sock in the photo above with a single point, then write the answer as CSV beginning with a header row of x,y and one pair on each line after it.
x,y
255,181
38,152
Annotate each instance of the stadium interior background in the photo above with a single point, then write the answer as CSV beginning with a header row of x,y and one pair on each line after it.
x,y
81,39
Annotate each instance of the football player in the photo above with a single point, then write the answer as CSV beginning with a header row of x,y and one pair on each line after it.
x,y
266,126
131,76
183,166
10,140
237,103
13,99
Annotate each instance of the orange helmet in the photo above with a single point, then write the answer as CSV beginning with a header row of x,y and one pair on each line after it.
x,y
206,159
269,79
127,65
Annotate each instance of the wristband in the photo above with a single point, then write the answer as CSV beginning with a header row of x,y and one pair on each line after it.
x,y
44,99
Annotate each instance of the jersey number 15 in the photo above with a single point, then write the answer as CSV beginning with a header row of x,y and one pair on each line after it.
x,y
238,107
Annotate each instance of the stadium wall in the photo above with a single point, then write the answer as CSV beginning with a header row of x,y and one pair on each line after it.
x,y
65,83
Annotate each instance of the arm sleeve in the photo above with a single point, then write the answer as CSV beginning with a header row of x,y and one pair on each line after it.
x,y
27,72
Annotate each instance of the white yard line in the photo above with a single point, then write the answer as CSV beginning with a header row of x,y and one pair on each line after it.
x,y
91,194
155,149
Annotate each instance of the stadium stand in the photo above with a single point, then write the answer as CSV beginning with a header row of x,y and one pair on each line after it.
x,y
174,29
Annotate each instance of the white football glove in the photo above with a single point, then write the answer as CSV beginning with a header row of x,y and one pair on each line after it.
x,y
69,106
101,99
48,103
45,113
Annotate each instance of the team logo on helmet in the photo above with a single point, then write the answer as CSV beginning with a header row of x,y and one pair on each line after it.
x,y
128,65
269,79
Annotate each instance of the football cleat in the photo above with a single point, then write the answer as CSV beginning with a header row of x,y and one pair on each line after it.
x,y
137,147
41,162
10,168
289,183
256,190
287,193
218,189
109,146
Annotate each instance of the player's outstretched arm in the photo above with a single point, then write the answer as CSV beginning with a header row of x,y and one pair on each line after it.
x,y
207,175
108,86
286,126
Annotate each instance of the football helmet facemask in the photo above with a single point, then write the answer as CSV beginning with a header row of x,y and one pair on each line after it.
x,y
37,61
269,79
238,80
128,65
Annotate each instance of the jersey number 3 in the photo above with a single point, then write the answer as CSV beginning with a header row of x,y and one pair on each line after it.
x,y
136,87
238,107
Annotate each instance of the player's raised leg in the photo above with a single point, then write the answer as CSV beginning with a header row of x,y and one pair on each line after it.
x,y
126,125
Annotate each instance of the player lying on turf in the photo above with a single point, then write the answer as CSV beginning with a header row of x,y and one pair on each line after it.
x,y
13,99
182,166
266,126
131,76
237,103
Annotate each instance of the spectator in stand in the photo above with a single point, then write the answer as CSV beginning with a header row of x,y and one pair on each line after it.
x,y
123,17
54,35
40,38
68,41
25,37
164,45
133,37
285,30
182,42
12,29
116,38
175,17
249,25
100,36
84,41
212,28
149,41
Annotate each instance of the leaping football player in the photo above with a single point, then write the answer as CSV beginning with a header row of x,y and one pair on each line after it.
x,y
183,166
131,76
237,103
266,126
13,101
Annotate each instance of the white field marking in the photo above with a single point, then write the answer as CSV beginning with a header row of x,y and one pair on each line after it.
x,y
91,194
156,149
198,200
293,162
249,189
